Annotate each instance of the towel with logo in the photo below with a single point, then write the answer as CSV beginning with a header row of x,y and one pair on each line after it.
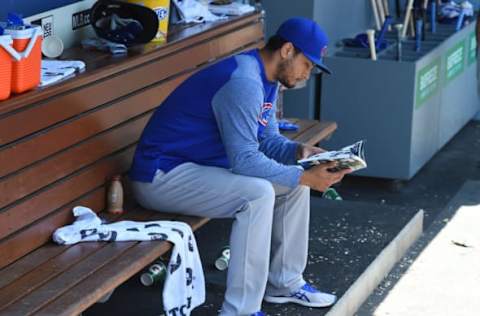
x,y
184,287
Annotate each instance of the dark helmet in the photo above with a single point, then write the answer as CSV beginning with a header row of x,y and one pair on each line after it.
x,y
123,22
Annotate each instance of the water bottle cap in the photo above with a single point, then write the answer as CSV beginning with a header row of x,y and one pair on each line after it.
x,y
146,279
221,263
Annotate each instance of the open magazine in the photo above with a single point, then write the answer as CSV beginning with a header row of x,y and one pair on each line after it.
x,y
352,157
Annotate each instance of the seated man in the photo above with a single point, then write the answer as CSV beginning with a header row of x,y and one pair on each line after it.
x,y
213,149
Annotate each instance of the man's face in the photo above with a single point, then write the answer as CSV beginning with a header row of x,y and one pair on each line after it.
x,y
294,68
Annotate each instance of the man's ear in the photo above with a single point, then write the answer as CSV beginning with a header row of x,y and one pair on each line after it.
x,y
287,51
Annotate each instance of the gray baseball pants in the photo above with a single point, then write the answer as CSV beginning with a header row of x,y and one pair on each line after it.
x,y
269,237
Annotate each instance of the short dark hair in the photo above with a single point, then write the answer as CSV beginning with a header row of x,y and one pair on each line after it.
x,y
276,42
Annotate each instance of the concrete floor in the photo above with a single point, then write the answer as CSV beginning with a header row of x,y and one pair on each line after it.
x,y
383,205
345,237
438,275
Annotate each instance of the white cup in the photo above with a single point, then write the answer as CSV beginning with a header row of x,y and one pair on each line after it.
x,y
52,46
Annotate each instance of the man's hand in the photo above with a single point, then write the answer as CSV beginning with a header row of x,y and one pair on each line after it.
x,y
305,151
320,179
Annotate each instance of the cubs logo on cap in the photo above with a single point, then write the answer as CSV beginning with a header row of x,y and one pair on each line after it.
x,y
323,53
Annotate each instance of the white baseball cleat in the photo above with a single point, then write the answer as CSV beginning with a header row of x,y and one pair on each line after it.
x,y
307,295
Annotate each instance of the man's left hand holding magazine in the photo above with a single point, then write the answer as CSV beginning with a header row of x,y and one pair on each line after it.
x,y
305,151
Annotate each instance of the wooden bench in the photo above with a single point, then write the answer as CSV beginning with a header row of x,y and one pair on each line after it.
x,y
59,145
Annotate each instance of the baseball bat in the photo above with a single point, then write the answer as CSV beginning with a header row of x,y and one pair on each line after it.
x,y
411,25
386,8
433,17
387,12
371,44
381,11
418,35
461,17
425,18
399,28
381,36
425,4
375,14
408,13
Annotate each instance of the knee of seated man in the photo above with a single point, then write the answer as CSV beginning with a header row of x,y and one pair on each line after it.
x,y
257,188
303,189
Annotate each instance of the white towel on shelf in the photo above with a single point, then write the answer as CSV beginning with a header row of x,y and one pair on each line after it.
x,y
233,8
193,11
184,287
55,70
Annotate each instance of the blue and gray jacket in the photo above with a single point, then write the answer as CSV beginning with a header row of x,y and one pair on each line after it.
x,y
223,116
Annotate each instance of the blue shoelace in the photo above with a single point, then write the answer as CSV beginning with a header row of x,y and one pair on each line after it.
x,y
301,295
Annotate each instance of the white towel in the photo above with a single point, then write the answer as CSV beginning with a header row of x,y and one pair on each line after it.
x,y
233,8
192,11
56,70
184,287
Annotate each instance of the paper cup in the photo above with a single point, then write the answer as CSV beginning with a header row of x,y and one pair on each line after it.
x,y
52,47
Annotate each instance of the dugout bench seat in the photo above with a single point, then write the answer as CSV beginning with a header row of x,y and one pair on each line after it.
x,y
58,147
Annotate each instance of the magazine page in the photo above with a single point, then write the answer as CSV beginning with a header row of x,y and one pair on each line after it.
x,y
350,157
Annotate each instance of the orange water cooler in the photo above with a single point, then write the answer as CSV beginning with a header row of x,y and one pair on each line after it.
x,y
26,63
5,66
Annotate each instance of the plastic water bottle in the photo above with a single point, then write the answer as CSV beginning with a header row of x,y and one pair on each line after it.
x,y
155,273
331,194
223,260
115,196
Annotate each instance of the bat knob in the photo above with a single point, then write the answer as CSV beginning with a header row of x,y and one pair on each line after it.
x,y
371,43
399,28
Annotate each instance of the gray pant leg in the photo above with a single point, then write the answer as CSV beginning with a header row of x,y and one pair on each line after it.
x,y
215,193
289,249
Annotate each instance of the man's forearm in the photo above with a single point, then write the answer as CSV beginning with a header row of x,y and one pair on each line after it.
x,y
280,149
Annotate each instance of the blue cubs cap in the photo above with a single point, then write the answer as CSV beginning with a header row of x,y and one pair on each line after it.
x,y
308,37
